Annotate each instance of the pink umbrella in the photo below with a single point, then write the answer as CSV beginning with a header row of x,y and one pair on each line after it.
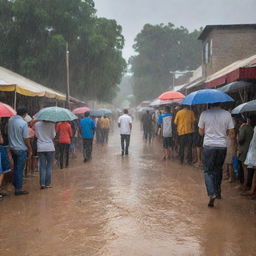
x,y
6,110
81,110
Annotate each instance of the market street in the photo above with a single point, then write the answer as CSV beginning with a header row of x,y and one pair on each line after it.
x,y
136,205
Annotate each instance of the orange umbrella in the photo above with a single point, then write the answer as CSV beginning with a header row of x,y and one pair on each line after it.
x,y
6,110
171,95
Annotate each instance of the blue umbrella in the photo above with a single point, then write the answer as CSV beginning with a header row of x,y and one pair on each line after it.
x,y
96,113
106,111
206,96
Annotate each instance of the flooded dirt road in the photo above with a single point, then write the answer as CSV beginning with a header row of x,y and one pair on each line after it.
x,y
136,205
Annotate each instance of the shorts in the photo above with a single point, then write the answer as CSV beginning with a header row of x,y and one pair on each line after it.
x,y
197,140
167,142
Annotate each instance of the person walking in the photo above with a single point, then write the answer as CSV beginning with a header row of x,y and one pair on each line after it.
x,y
125,125
20,147
147,122
64,134
165,121
184,120
87,127
105,125
45,133
214,124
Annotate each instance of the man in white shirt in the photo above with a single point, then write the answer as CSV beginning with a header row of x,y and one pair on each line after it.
x,y
125,125
214,124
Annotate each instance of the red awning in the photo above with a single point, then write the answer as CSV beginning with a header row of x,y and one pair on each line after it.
x,y
238,74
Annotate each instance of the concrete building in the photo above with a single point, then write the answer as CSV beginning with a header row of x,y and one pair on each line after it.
x,y
225,44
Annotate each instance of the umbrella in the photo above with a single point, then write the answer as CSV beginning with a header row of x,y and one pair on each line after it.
x,y
55,114
249,106
235,86
6,110
171,95
206,96
96,113
145,109
158,102
106,111
80,110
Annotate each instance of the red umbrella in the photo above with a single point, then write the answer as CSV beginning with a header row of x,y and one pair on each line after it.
x,y
6,110
171,95
80,110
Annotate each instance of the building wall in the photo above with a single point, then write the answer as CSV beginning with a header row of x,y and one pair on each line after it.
x,y
226,46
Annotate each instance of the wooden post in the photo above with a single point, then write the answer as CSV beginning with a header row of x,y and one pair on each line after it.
x,y
15,99
67,69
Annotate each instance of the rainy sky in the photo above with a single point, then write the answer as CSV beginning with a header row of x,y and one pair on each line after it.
x,y
192,14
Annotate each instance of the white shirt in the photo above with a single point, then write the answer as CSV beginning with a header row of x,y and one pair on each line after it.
x,y
124,121
45,133
215,122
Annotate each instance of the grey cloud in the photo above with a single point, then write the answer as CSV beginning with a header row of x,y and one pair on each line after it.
x,y
193,14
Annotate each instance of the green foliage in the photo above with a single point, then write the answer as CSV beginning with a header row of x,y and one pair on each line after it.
x,y
161,49
34,35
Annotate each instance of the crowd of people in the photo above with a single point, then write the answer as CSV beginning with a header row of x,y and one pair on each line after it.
x,y
224,146
28,146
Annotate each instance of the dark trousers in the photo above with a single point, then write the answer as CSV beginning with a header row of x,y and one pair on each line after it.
x,y
63,154
185,141
240,175
250,175
87,148
105,133
148,134
214,158
19,159
125,142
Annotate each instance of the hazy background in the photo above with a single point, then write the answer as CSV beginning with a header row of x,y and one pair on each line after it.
x,y
192,14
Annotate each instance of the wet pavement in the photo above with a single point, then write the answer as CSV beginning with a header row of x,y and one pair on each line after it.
x,y
136,205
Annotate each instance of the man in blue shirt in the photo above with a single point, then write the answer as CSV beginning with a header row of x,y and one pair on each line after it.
x,y
165,121
87,127
20,147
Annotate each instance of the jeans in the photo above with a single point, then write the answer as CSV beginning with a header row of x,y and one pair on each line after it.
x,y
214,158
105,133
19,160
64,153
87,148
125,139
185,141
45,167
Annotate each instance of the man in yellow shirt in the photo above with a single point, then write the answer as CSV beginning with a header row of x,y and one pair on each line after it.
x,y
184,120
105,124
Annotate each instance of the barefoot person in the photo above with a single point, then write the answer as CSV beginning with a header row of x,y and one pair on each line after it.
x,y
214,124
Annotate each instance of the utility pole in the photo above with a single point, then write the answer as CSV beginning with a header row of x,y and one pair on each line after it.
x,y
67,69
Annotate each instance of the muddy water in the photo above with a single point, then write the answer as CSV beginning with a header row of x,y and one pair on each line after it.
x,y
131,206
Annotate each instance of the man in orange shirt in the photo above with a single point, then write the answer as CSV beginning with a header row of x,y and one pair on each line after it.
x,y
184,120
64,134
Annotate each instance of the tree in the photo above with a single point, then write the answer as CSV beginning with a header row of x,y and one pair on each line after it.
x,y
161,49
35,34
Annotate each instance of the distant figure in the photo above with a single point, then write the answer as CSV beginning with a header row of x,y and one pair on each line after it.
x,y
105,125
214,124
45,133
184,121
64,134
20,147
165,121
87,127
125,125
147,122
